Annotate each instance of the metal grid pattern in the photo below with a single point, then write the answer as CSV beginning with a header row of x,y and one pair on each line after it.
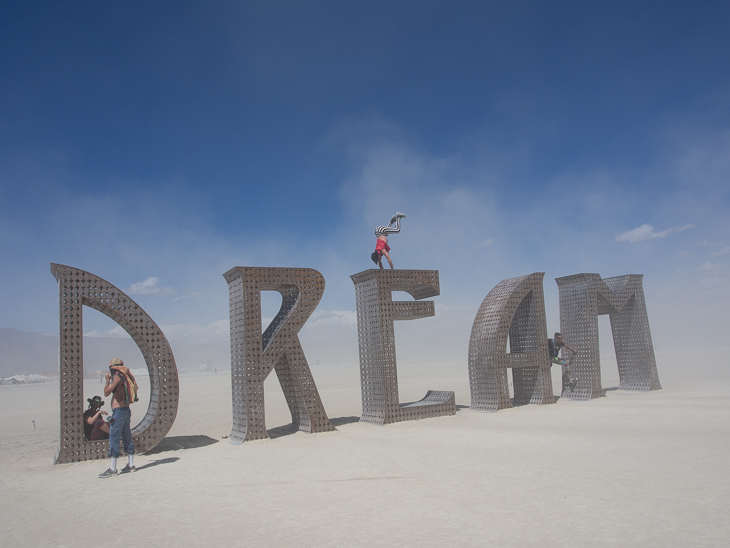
x,y
78,288
513,311
254,355
583,297
376,312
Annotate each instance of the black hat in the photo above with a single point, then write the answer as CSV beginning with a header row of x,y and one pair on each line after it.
x,y
96,400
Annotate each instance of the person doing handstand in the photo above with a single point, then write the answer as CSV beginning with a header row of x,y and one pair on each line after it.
x,y
381,244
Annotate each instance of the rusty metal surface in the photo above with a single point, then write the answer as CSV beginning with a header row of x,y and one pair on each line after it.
x,y
376,312
254,354
78,288
513,311
583,297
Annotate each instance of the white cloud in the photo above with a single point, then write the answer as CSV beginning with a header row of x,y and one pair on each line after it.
x,y
150,287
332,317
486,243
646,232
217,331
188,295
724,251
715,287
117,333
714,281
713,267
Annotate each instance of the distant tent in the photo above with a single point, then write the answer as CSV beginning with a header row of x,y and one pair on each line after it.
x,y
26,379
37,378
15,379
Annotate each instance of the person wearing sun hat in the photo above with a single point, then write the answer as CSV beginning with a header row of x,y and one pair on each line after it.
x,y
121,384
95,428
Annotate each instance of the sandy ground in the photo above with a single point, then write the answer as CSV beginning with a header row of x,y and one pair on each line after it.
x,y
631,469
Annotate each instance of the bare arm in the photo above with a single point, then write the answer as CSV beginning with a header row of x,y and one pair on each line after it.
x,y
109,388
387,256
92,419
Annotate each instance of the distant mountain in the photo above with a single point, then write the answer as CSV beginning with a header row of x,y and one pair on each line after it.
x,y
26,352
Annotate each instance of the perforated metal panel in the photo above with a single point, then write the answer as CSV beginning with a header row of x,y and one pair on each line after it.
x,y
583,297
78,288
514,310
254,355
376,312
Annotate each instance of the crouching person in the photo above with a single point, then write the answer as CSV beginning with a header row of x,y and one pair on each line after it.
x,y
95,428
121,384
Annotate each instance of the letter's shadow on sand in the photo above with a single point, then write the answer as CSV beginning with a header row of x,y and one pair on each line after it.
x,y
176,443
287,429
158,462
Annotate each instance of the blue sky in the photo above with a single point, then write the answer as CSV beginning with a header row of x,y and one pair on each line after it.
x,y
158,145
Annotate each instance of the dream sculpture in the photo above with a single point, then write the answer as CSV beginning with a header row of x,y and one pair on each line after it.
x,y
514,310
582,298
254,355
78,288
512,313
376,312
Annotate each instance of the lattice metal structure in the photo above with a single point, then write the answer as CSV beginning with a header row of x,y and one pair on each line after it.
x,y
376,312
583,297
514,312
254,355
78,288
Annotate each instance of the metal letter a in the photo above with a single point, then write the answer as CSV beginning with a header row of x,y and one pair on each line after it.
x,y
514,310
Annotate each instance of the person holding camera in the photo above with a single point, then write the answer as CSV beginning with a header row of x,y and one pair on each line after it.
x,y
95,427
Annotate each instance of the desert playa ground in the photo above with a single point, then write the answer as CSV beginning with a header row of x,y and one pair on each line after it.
x,y
631,469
